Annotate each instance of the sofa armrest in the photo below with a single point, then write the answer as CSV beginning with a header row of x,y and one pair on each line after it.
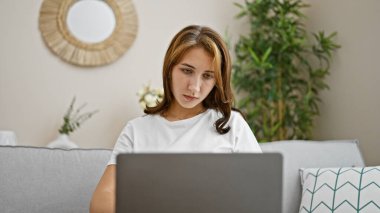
x,y
37,179
307,154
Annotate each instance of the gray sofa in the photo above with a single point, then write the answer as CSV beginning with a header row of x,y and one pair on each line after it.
x,y
48,180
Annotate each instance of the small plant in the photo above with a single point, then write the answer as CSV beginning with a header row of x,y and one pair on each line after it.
x,y
149,96
73,119
279,71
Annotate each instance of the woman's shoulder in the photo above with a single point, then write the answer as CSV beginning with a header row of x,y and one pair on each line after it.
x,y
144,120
237,119
236,116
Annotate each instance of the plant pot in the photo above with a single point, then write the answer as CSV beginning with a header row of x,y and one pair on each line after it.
x,y
63,142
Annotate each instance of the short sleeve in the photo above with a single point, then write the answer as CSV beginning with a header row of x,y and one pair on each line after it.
x,y
245,140
124,143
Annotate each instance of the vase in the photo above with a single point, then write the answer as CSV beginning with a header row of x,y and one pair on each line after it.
x,y
7,138
63,142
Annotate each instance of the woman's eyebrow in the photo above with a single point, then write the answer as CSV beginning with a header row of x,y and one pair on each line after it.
x,y
188,65
191,66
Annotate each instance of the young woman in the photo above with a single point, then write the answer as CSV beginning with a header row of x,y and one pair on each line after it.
x,y
196,113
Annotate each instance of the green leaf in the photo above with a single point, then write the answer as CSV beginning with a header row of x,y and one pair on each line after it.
x,y
266,54
254,56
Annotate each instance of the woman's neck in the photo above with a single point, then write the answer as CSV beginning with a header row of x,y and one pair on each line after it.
x,y
177,112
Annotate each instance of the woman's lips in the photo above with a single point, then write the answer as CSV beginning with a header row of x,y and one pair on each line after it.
x,y
189,98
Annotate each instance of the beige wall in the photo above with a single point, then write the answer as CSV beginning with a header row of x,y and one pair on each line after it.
x,y
36,86
350,108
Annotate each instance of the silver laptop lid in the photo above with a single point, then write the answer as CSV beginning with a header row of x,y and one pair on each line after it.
x,y
199,183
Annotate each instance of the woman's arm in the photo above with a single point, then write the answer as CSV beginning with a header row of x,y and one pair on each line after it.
x,y
103,199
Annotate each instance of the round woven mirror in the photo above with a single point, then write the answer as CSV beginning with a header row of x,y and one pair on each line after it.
x,y
88,32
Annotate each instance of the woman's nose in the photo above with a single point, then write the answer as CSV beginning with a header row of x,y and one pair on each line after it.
x,y
195,84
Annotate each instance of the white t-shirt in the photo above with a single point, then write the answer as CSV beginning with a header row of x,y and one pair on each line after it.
x,y
153,133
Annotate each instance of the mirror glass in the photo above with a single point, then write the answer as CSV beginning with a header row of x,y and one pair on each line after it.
x,y
91,21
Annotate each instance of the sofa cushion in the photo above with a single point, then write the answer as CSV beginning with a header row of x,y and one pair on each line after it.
x,y
340,189
49,180
310,154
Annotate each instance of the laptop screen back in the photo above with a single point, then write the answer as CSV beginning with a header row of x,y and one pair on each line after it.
x,y
199,183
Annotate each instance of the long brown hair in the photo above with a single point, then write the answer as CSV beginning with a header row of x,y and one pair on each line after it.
x,y
220,97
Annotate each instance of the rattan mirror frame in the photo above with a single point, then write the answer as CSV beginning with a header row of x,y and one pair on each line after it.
x,y
54,30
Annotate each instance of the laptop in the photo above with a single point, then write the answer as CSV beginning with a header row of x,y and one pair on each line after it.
x,y
199,183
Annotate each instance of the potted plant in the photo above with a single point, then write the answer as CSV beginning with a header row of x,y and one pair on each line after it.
x,y
279,72
72,120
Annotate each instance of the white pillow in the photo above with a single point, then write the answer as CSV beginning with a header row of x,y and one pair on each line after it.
x,y
345,190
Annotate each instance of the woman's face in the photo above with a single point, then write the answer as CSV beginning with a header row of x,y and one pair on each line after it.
x,y
193,78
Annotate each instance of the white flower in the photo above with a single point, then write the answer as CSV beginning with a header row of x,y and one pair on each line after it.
x,y
141,92
151,104
159,91
149,97
142,104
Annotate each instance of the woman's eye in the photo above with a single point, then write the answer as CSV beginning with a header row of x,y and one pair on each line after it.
x,y
186,71
208,76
